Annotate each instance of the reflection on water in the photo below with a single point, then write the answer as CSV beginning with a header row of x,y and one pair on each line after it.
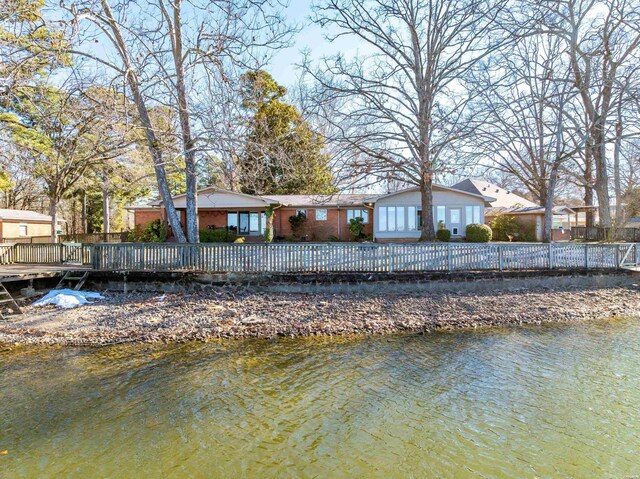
x,y
553,401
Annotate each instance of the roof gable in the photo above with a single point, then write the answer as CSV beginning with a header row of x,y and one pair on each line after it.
x,y
498,197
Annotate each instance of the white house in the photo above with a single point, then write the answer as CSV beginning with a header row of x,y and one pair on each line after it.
x,y
397,215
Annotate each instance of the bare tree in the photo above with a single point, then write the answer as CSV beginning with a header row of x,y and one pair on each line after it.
x,y
401,108
602,39
170,49
525,126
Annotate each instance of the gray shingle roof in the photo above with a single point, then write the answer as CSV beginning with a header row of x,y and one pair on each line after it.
x,y
501,198
339,199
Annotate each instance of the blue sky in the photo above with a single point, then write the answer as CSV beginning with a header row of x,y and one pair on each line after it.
x,y
310,37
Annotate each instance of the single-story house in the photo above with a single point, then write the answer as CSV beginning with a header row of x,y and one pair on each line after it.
x,y
398,215
527,213
18,224
391,217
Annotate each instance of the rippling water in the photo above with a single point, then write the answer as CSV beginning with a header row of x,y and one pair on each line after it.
x,y
552,401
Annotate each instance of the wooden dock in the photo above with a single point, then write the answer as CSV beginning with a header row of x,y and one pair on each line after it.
x,y
24,272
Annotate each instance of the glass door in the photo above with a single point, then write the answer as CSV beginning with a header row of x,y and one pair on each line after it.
x,y
243,227
455,221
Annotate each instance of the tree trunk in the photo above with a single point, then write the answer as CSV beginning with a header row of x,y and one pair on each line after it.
x,y
84,213
547,232
427,232
588,189
602,179
185,127
617,182
106,213
53,212
152,143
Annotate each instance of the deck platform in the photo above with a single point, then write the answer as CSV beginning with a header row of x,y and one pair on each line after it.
x,y
22,271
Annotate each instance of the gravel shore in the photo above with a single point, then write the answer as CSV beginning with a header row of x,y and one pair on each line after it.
x,y
150,317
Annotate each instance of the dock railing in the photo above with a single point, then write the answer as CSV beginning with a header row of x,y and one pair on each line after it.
x,y
326,257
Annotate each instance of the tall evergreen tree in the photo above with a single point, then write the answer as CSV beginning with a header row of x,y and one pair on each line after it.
x,y
283,155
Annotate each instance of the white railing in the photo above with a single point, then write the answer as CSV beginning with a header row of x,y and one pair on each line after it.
x,y
326,257
348,257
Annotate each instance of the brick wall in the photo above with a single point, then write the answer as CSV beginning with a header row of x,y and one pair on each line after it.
x,y
217,219
143,217
335,225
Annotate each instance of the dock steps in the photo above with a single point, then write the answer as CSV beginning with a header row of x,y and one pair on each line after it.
x,y
6,298
71,277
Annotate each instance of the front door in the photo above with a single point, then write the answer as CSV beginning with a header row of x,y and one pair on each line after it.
x,y
243,226
455,221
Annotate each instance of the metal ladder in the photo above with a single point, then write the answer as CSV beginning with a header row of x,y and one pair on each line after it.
x,y
69,277
7,302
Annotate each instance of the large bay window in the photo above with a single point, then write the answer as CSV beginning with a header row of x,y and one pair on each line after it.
x,y
398,218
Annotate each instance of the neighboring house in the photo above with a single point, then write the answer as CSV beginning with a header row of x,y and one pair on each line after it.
x,y
397,215
528,214
19,224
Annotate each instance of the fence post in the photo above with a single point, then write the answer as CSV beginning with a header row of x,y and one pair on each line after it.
x,y
449,259
500,256
586,256
550,255
390,253
61,252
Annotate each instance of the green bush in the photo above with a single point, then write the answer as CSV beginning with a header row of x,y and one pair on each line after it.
x,y
505,228
443,235
356,228
297,221
218,235
477,233
154,232
333,239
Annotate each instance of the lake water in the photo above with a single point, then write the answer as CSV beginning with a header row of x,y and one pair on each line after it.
x,y
551,401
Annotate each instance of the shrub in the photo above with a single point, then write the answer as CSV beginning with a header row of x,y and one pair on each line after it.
x,y
218,235
333,239
214,236
443,235
356,228
154,232
505,228
477,233
297,221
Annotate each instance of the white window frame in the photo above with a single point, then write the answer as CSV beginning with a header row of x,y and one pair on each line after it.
x,y
26,229
477,215
443,218
412,218
324,213
358,213
303,211
382,225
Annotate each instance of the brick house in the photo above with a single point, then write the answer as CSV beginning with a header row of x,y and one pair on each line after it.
x,y
529,215
390,217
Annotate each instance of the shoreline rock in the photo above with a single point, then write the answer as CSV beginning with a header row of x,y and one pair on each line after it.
x,y
149,317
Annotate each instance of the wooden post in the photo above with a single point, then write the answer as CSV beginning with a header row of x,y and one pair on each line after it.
x,y
390,253
586,256
550,255
500,266
449,259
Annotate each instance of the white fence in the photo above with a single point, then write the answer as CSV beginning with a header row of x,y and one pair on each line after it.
x,y
326,257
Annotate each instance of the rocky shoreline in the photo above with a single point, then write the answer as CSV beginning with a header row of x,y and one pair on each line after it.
x,y
224,313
